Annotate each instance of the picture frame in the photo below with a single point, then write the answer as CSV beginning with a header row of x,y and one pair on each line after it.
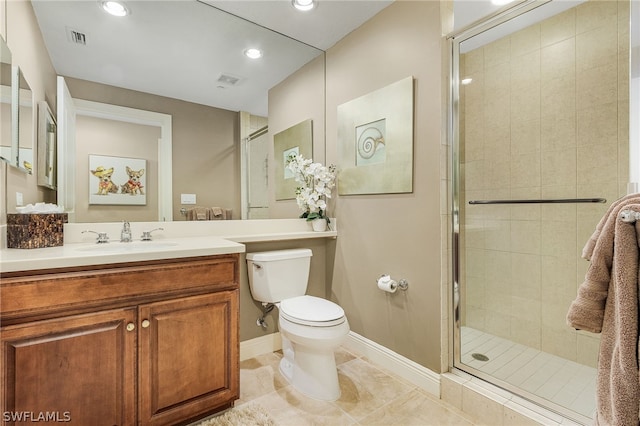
x,y
375,141
298,140
117,180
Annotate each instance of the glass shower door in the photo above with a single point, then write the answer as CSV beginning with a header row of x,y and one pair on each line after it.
x,y
541,150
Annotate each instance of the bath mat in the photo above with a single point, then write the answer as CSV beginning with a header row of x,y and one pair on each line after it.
x,y
244,415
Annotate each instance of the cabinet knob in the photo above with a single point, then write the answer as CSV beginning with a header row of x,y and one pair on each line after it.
x,y
131,326
146,323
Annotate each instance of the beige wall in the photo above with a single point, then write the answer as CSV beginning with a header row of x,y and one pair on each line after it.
x,y
206,152
28,52
546,116
392,234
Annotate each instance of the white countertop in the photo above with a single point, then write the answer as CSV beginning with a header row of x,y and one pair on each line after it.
x,y
176,240
83,254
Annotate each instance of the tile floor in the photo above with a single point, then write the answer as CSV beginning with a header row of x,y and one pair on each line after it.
x,y
553,378
370,396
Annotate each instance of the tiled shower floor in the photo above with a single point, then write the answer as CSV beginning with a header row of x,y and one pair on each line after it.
x,y
553,378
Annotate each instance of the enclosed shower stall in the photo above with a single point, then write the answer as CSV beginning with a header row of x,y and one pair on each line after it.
x,y
540,128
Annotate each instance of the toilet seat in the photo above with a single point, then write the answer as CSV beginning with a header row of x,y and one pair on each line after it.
x,y
312,311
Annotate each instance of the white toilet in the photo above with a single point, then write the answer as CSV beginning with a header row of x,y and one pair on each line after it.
x,y
311,327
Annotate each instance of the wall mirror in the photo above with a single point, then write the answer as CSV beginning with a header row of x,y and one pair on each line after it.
x,y
6,110
26,120
98,72
47,155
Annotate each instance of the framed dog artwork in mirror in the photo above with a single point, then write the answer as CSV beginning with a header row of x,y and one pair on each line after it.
x,y
117,180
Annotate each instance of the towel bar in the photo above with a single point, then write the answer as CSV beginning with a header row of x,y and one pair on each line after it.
x,y
542,201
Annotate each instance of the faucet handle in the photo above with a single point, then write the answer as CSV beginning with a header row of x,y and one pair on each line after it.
x,y
146,235
101,238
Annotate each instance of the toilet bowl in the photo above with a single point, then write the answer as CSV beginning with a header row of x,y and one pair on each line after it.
x,y
311,327
309,340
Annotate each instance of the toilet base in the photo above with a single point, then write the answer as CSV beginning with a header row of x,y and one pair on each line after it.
x,y
313,374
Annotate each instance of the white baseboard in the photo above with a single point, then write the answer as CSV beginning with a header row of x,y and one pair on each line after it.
x,y
260,345
411,371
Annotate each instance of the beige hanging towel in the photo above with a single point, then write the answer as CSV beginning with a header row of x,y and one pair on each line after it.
x,y
198,213
216,213
607,303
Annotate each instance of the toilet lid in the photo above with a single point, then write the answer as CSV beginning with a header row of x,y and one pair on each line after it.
x,y
310,309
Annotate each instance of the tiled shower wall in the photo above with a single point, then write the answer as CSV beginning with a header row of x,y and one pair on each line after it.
x,y
546,116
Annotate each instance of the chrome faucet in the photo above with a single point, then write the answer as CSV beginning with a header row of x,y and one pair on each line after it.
x,y
102,238
146,235
125,234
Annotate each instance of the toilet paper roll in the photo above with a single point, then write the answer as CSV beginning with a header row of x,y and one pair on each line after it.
x,y
385,283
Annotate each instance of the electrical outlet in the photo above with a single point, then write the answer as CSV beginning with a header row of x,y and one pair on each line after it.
x,y
19,199
187,198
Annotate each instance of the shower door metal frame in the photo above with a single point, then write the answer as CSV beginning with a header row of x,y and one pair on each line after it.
x,y
455,360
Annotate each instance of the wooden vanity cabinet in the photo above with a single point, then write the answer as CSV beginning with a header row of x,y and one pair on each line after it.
x,y
148,343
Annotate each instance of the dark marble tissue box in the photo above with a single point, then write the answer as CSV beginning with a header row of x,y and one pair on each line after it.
x,y
35,230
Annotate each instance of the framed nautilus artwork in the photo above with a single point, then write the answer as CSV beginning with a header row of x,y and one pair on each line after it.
x,y
296,140
375,141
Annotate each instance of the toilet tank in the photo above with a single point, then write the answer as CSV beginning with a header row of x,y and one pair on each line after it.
x,y
278,275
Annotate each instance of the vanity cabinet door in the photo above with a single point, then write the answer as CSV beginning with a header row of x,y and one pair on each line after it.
x,y
188,357
77,369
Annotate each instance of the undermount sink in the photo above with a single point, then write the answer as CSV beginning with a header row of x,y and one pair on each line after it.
x,y
137,246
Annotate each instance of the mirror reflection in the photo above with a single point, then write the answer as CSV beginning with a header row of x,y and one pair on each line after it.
x,y
208,124
47,134
6,111
26,120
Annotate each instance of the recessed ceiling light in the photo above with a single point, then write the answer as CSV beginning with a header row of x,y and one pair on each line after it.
x,y
303,5
115,8
253,53
466,81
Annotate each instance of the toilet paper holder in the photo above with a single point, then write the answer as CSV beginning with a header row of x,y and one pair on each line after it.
x,y
402,284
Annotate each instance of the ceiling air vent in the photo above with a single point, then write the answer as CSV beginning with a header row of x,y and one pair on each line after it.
x,y
228,80
76,37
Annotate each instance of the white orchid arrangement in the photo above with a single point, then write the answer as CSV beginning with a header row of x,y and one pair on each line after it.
x,y
316,182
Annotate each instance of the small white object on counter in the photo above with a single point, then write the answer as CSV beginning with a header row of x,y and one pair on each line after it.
x,y
40,208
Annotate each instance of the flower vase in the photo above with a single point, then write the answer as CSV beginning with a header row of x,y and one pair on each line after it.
x,y
319,225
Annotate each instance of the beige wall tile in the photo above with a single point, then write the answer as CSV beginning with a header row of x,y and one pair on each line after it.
x,y
558,238
525,41
558,60
525,237
598,163
558,132
497,52
597,86
559,341
526,332
525,170
525,136
594,14
597,124
558,28
526,278
559,167
588,348
596,47
558,96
